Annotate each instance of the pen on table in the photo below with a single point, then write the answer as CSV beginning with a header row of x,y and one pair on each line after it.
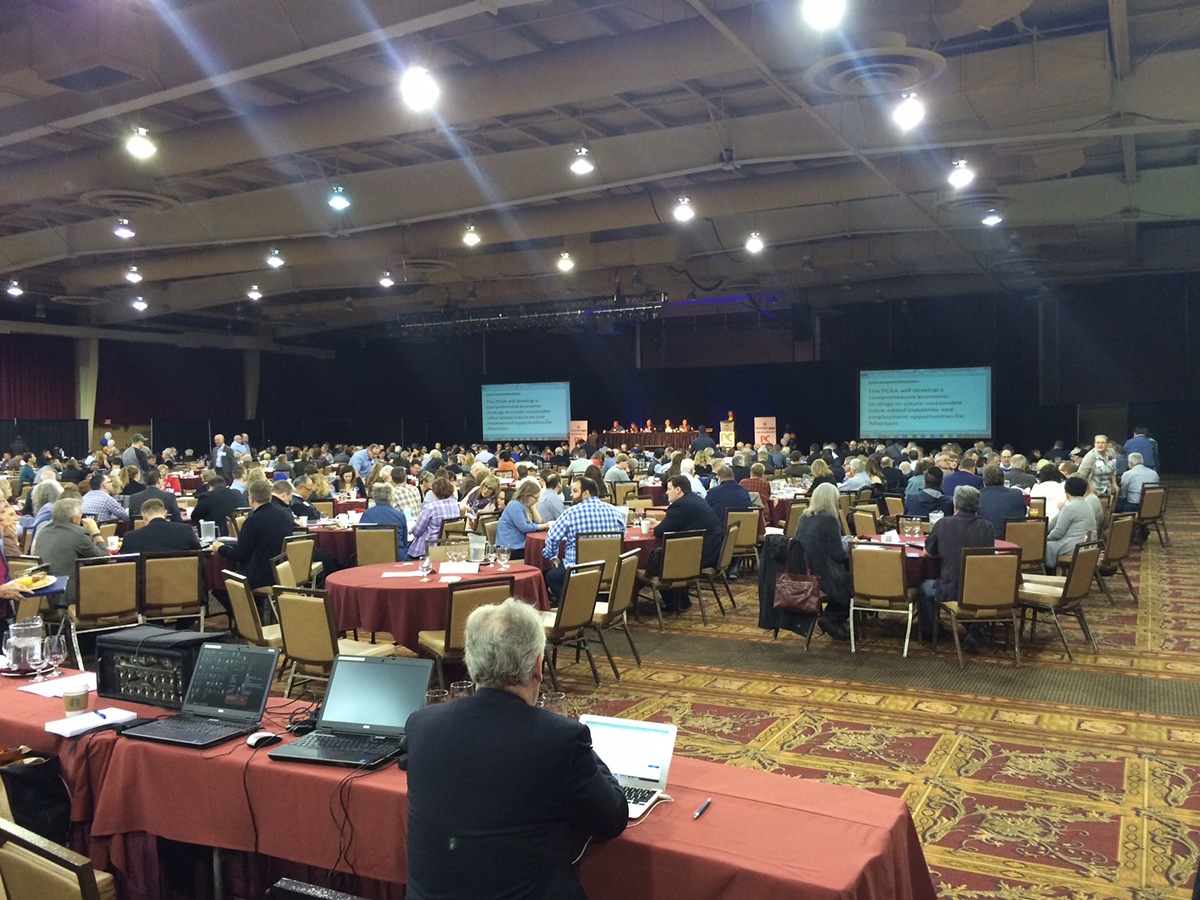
x,y
703,806
103,716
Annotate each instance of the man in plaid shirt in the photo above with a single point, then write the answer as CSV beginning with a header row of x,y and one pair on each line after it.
x,y
586,513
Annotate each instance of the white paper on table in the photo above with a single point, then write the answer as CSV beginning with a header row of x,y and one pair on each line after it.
x,y
400,575
56,687
771,529
90,721
450,579
459,568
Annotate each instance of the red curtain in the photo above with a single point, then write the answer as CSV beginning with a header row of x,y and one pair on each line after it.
x,y
37,377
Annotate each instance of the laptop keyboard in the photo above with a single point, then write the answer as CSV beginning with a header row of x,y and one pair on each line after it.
x,y
348,743
194,727
637,796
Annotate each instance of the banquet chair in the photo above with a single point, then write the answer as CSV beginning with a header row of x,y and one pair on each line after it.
x,y
681,563
1117,543
895,504
324,507
439,551
108,529
310,638
623,492
20,565
485,520
792,525
865,495
1065,594
844,512
747,520
878,586
172,586
712,573
864,521
375,544
457,525
1151,511
600,546
106,598
284,574
987,593
27,541
463,598
565,625
299,549
32,866
1029,534
246,620
1037,506
642,503
614,613
139,522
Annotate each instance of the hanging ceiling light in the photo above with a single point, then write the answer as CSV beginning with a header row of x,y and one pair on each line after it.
x,y
139,303
274,258
992,218
582,164
14,288
139,144
823,14
338,199
132,275
909,112
418,89
254,293
471,236
683,210
565,263
754,243
961,175
386,279
123,229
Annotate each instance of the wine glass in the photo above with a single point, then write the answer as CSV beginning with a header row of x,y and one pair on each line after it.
x,y
489,554
502,554
437,695
426,567
54,651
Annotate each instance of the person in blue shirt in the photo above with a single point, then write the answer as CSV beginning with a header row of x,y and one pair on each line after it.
x,y
586,513
383,513
520,517
1142,443
364,461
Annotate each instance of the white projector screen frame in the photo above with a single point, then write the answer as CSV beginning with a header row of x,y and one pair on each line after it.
x,y
533,411
925,403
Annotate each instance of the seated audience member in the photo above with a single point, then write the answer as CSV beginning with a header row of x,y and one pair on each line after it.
x,y
1143,444
894,478
1019,475
930,498
384,512
687,468
856,477
687,512
131,481
727,494
1133,480
997,502
946,542
520,517
1075,523
593,472
302,491
152,491
618,472
159,534
1050,487
429,523
821,474
261,536
964,474
100,504
481,499
218,505
10,532
757,483
42,499
916,479
72,472
587,512
350,483
820,534
68,537
551,506
523,783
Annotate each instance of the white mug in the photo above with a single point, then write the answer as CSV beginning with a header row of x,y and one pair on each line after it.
x,y
114,543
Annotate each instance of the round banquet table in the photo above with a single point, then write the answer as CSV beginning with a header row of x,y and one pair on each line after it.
x,y
917,566
365,600
781,508
346,506
535,543
338,542
655,493
189,482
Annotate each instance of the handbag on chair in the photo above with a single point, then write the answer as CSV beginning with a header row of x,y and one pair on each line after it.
x,y
798,593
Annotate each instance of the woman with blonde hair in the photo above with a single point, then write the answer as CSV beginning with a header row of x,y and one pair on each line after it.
x,y
820,534
130,480
520,518
821,474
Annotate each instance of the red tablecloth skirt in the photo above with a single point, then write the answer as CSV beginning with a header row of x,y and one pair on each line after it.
x,y
634,540
655,493
403,607
337,541
189,482
346,506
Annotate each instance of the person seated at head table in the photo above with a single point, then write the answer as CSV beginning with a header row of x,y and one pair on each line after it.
x,y
159,534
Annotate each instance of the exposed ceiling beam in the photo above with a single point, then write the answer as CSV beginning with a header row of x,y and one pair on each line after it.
x,y
1118,23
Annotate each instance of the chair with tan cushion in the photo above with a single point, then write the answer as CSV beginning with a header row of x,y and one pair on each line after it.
x,y
565,626
172,586
635,503
1065,594
324,507
464,597
375,544
457,525
108,529
712,573
864,521
439,551
1029,535
681,564
1116,550
299,549
624,492
600,546
35,868
1037,506
878,586
792,524
895,505
20,565
844,512
987,593
747,521
106,596
246,620
310,638
283,574
614,613
139,522
482,521
1151,511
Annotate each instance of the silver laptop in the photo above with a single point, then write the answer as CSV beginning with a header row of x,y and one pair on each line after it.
x,y
367,705
637,753
225,698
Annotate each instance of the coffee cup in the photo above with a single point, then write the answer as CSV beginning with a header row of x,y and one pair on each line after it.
x,y
114,543
75,702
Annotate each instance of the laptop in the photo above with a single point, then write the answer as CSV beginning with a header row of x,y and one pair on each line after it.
x,y
225,698
367,705
637,753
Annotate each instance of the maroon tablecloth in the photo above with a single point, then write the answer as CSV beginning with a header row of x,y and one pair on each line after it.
x,y
337,541
655,493
403,607
345,506
634,540
190,482
676,440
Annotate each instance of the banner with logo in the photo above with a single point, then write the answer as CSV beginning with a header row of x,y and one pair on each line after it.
x,y
579,432
764,430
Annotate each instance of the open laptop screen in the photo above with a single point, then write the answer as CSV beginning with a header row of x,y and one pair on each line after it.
x,y
230,678
374,695
639,751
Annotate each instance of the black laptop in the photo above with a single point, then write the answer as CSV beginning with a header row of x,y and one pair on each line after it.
x,y
225,698
367,704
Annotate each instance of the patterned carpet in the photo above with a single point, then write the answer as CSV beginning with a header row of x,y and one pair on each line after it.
x,y
1054,780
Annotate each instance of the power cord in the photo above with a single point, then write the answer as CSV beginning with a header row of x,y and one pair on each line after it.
x,y
662,798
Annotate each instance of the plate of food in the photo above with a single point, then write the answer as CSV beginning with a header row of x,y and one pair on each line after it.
x,y
36,582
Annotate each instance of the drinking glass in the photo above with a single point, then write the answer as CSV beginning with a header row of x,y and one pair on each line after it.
x,y
437,695
489,554
54,651
502,553
459,689
425,567
554,701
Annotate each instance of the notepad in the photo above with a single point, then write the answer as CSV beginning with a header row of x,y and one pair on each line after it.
x,y
56,687
450,579
400,575
459,568
101,718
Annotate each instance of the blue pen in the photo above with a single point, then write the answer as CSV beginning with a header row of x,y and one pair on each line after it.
x,y
703,806
103,716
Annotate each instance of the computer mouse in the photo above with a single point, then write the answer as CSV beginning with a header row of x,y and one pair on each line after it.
x,y
262,739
